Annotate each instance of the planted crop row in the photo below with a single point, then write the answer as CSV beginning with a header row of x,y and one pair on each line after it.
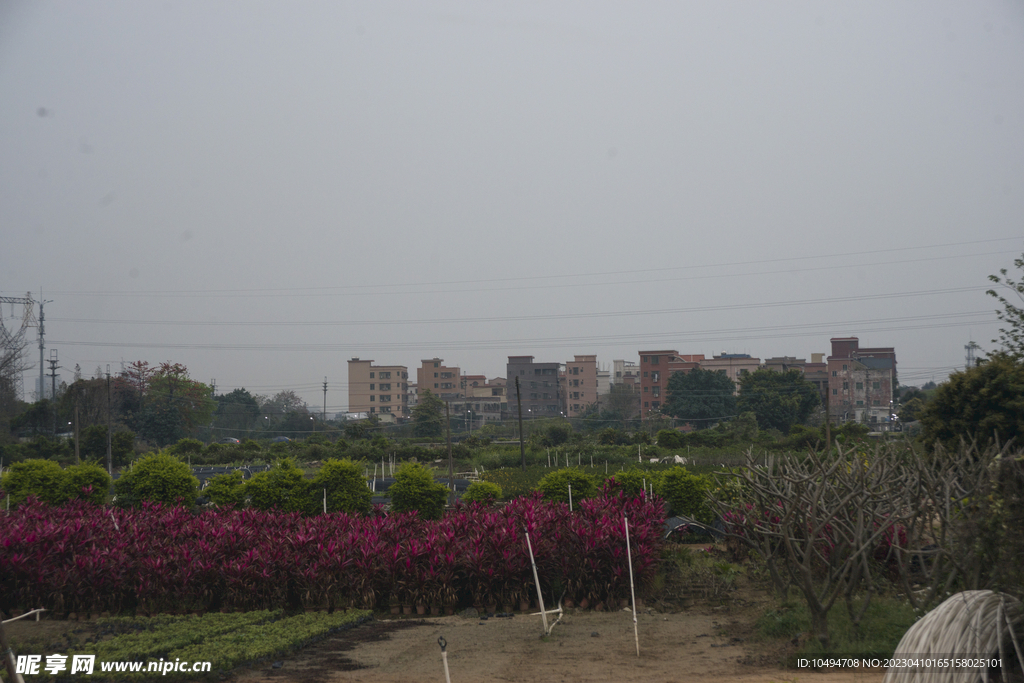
x,y
86,558
248,645
176,635
225,640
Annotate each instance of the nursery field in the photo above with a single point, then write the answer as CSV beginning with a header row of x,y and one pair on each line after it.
x,y
702,643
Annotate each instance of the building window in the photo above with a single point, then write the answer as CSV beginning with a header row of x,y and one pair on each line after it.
x,y
645,402
371,375
385,398
844,368
655,391
846,386
655,376
860,403
385,387
654,361
835,374
876,385
835,392
437,365
875,403
372,397
645,373
645,389
384,375
655,405
644,360
860,386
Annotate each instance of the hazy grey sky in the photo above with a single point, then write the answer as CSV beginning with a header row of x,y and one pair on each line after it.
x,y
262,190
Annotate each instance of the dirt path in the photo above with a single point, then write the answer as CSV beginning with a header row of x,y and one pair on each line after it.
x,y
587,646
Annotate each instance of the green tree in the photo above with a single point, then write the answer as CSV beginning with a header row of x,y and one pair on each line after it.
x,y
701,397
93,445
87,482
415,489
687,494
41,479
226,489
483,492
779,400
159,478
236,414
1011,337
428,415
346,488
175,405
283,487
984,403
555,485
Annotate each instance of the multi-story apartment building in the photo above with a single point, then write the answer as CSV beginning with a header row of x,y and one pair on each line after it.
x,y
540,387
655,369
624,371
861,382
443,381
485,399
380,389
734,365
815,372
580,384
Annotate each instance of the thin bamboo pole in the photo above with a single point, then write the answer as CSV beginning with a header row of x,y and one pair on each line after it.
x,y
536,582
632,592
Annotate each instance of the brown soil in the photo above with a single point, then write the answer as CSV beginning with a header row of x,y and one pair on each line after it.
x,y
699,644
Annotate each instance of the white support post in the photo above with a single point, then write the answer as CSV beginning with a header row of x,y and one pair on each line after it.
x,y
632,592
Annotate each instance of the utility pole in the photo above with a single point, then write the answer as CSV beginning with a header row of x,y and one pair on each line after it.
x,y
110,458
78,460
53,388
324,418
451,464
522,448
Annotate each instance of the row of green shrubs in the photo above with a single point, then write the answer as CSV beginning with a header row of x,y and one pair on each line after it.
x,y
338,486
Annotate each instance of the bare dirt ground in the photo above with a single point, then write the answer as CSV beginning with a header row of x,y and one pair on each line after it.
x,y
695,645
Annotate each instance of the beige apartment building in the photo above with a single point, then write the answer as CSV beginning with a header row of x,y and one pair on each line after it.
x,y
734,365
378,389
485,399
443,381
580,384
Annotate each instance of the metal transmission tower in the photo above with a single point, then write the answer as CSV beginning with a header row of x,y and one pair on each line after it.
x,y
972,362
12,341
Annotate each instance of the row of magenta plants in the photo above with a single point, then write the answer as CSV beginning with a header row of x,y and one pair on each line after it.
x,y
86,558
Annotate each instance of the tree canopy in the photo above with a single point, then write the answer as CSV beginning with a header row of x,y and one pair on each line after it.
x,y
702,397
779,400
1011,337
428,415
984,403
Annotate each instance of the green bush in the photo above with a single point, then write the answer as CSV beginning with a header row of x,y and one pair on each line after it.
x,y
283,487
41,479
555,485
669,438
686,493
185,447
482,492
345,485
415,489
159,478
631,481
77,478
226,489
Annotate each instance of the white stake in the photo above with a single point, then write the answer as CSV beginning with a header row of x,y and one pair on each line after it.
x,y
548,451
638,453
325,501
629,558
570,497
536,582
444,657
